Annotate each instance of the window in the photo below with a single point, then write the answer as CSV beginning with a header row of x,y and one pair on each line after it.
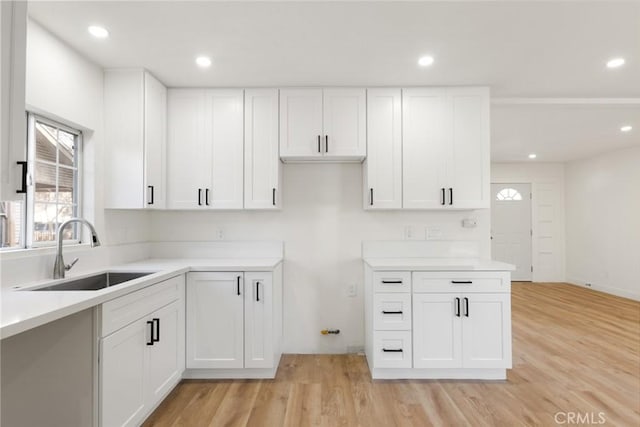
x,y
53,192
508,195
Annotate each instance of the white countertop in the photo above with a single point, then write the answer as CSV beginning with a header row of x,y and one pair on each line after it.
x,y
23,310
438,264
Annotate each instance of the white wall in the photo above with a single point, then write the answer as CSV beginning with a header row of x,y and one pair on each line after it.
x,y
547,216
603,222
323,225
65,86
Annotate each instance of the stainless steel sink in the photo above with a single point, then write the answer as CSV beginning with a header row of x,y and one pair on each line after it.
x,y
94,283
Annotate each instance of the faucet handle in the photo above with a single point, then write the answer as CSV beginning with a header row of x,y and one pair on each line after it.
x,y
69,266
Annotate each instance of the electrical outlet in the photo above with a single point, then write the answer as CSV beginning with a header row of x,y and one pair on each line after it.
x,y
352,290
408,232
433,233
219,233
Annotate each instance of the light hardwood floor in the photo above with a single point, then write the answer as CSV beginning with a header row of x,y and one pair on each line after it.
x,y
574,350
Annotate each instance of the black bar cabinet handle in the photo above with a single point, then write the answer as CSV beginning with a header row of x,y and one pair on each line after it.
x,y
156,321
206,197
273,197
150,342
150,202
391,312
23,184
442,201
371,196
450,195
199,196
392,350
238,285
326,143
466,307
462,282
319,144
392,282
258,291
457,307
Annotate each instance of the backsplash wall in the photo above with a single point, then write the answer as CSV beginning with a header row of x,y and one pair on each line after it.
x,y
322,224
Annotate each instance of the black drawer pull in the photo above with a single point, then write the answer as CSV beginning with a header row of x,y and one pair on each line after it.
x,y
392,350
457,307
199,196
23,183
156,321
442,199
391,312
371,197
466,307
258,291
273,197
150,202
462,282
450,196
238,285
151,341
392,282
319,143
206,197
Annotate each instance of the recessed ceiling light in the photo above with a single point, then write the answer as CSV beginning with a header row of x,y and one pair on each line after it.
x,y
532,156
98,32
203,61
425,61
615,63
626,128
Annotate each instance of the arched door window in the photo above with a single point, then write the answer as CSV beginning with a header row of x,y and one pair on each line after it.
x,y
508,195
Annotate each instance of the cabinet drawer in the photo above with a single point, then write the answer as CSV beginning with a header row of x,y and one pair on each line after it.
x,y
392,312
460,282
392,349
392,281
129,308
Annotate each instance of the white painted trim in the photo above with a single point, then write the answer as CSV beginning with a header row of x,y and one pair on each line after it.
x,y
455,374
240,373
565,101
624,293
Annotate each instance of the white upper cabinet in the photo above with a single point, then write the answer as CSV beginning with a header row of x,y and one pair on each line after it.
x,y
135,105
300,123
262,171
445,148
468,174
424,147
205,149
383,166
323,124
13,123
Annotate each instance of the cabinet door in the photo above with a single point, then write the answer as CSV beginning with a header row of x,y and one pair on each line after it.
x,y
468,167
383,166
13,121
215,320
187,148
124,135
122,375
486,330
301,123
155,142
261,158
424,143
344,123
258,326
224,166
165,359
437,331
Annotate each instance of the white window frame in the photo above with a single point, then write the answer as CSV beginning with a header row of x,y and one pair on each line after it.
x,y
30,199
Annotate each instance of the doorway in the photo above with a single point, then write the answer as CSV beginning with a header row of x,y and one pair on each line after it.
x,y
511,231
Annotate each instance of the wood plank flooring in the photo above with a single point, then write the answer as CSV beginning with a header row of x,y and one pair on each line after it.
x,y
574,351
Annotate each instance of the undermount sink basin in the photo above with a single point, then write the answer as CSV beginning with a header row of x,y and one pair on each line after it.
x,y
94,283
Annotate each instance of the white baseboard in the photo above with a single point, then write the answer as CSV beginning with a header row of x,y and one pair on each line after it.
x,y
227,374
449,374
624,293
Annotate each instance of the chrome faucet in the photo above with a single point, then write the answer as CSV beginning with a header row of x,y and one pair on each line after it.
x,y
59,267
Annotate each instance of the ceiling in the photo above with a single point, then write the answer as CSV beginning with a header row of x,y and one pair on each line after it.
x,y
519,49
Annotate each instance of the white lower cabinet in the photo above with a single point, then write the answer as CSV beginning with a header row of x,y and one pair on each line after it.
x,y
234,324
438,324
141,362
